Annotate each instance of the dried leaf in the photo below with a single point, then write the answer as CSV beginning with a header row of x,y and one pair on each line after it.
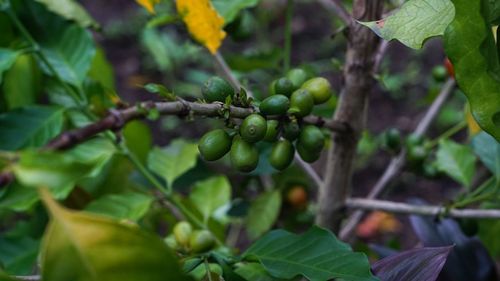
x,y
148,4
203,22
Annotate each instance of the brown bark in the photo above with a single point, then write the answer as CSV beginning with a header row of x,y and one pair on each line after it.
x,y
352,109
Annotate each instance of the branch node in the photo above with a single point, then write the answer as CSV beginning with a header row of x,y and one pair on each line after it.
x,y
119,120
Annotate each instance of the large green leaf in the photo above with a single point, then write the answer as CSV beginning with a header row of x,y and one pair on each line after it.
x,y
263,213
470,45
128,205
317,255
229,9
211,194
173,161
71,10
18,254
7,59
31,126
84,247
457,161
69,48
17,94
415,22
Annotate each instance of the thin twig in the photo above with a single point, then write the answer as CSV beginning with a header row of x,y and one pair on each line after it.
x,y
338,8
397,163
221,62
313,175
382,50
424,210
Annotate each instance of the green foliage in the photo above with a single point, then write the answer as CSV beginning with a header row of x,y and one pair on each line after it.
x,y
174,160
488,151
210,195
470,45
456,160
254,272
18,254
61,171
7,59
68,48
31,126
229,9
494,9
263,213
17,94
128,205
18,198
415,22
71,10
316,255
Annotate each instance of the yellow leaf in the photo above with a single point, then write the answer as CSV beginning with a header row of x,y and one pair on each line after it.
x,y
203,22
80,246
474,128
148,4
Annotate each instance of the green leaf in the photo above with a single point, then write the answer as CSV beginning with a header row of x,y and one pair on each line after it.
x,y
470,45
17,94
18,254
54,170
488,150
138,139
254,272
229,9
5,277
211,194
317,255
263,213
60,171
31,126
71,10
129,205
102,71
415,22
457,161
7,59
83,246
494,12
173,161
69,48
18,198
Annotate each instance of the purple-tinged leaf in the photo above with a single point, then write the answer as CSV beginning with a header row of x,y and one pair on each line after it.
x,y
414,265
469,259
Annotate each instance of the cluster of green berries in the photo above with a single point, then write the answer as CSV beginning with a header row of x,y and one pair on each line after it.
x,y
279,121
186,240
417,149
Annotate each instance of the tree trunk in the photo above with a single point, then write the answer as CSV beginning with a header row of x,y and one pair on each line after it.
x,y
352,109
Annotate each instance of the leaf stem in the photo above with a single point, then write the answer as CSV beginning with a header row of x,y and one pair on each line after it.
x,y
450,132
